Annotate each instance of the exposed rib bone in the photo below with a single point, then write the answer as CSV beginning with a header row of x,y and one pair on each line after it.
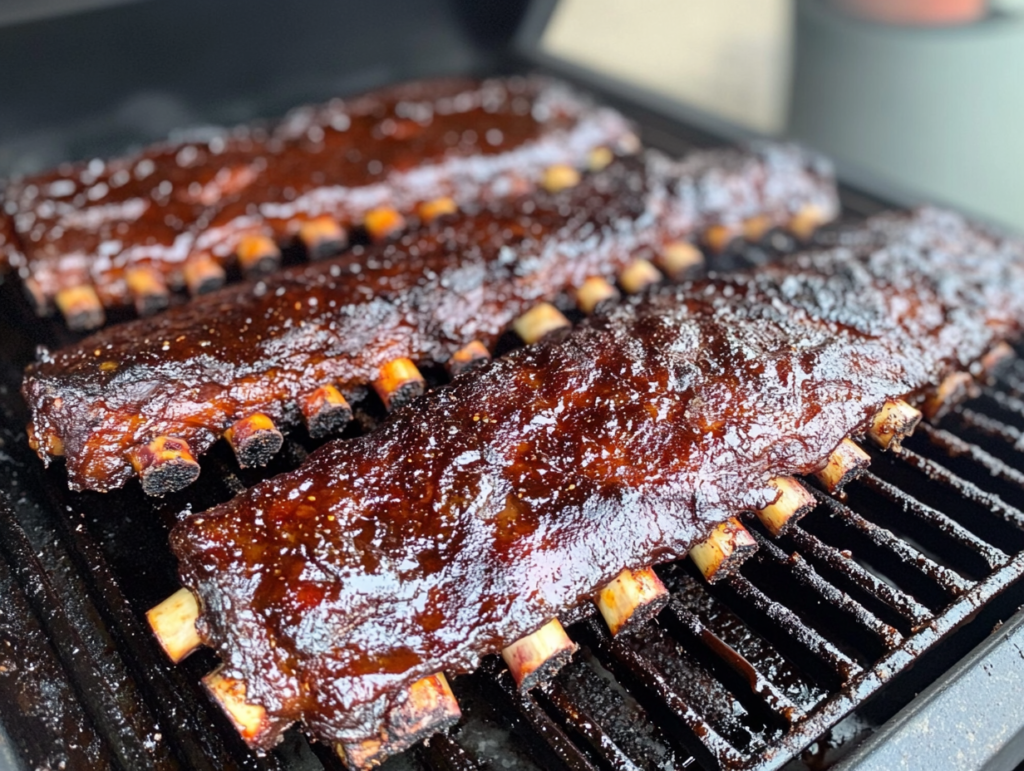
x,y
468,357
81,307
794,501
724,550
326,411
997,355
255,440
755,228
631,598
429,211
164,465
398,383
250,720
677,257
203,274
540,320
893,423
430,706
559,177
173,622
718,237
599,158
322,236
536,657
956,388
808,219
846,463
383,222
148,289
258,255
639,275
593,292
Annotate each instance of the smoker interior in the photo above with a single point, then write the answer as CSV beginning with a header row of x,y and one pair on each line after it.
x,y
824,634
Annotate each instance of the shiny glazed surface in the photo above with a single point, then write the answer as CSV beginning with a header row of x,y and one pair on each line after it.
x,y
261,346
85,223
476,514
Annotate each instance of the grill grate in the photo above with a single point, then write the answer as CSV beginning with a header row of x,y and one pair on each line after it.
x,y
740,675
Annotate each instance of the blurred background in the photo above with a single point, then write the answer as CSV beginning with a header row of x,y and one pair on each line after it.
x,y
919,99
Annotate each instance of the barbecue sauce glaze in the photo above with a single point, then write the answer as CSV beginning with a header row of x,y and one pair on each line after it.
x,y
476,514
261,346
84,223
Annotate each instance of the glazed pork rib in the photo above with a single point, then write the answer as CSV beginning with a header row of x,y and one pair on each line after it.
x,y
95,235
149,396
473,518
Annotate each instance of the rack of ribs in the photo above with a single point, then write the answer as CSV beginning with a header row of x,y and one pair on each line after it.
x,y
148,397
95,235
470,521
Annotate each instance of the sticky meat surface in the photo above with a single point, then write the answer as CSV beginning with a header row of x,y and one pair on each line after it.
x,y
85,223
475,515
261,346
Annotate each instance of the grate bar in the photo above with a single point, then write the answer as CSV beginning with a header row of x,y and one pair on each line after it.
x,y
954,446
580,721
760,685
900,602
441,751
631,665
543,733
951,582
993,556
991,427
1004,401
965,489
783,620
803,572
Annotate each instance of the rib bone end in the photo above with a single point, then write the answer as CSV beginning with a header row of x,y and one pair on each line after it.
x,y
430,707
793,502
808,219
326,411
755,228
560,177
540,320
398,383
538,656
81,307
718,237
203,274
678,257
164,465
429,211
322,237
468,358
724,550
599,158
383,222
173,622
593,292
148,289
250,720
956,388
992,361
255,440
258,255
631,598
846,463
893,423
639,275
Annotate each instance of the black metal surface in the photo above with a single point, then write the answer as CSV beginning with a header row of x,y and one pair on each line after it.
x,y
953,716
